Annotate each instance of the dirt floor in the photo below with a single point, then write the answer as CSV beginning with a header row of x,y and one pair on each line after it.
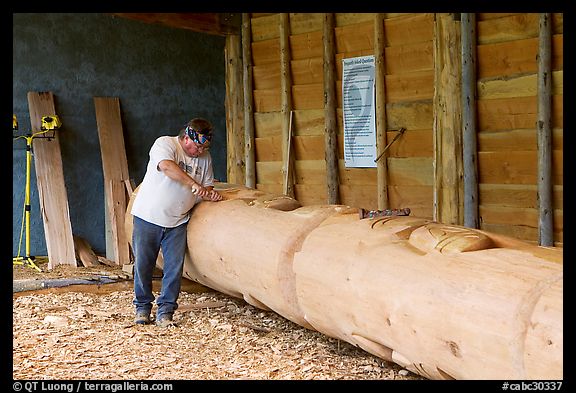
x,y
87,332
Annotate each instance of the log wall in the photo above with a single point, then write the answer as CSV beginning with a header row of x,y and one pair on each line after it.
x,y
507,46
409,92
507,49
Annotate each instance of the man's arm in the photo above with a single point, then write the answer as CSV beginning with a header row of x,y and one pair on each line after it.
x,y
174,172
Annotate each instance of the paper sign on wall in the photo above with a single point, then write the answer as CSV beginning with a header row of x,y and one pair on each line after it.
x,y
358,96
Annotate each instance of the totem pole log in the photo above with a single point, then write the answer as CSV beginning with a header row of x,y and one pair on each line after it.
x,y
443,301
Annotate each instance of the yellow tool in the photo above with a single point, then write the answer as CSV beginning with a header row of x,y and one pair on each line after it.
x,y
49,123
14,123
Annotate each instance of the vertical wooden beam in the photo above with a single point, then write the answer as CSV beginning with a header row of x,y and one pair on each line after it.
x,y
470,154
51,186
249,156
544,129
447,138
286,100
382,164
330,115
234,110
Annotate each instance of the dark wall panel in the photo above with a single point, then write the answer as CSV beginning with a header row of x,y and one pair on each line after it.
x,y
163,76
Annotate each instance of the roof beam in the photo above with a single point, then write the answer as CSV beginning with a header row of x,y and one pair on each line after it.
x,y
211,23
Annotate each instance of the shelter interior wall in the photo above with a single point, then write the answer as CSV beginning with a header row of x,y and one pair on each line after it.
x,y
507,45
507,83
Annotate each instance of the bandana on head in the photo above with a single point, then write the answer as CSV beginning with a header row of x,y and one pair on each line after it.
x,y
201,137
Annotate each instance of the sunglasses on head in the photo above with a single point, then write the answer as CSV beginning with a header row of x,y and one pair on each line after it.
x,y
198,137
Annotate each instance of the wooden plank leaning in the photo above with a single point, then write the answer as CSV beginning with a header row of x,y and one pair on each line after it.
x,y
115,168
51,187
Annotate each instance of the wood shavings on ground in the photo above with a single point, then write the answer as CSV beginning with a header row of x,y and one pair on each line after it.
x,y
79,336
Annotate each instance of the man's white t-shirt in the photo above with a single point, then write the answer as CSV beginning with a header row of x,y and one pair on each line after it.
x,y
166,202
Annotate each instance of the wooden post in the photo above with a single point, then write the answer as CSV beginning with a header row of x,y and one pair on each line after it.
x,y
286,98
382,164
447,138
234,110
330,117
544,129
248,102
470,154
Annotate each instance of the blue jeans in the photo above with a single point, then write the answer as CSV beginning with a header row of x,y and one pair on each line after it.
x,y
147,240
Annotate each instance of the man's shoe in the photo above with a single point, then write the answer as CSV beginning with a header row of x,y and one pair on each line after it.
x,y
165,321
142,318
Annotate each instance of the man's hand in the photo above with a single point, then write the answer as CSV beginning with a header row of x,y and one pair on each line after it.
x,y
197,189
206,193
214,196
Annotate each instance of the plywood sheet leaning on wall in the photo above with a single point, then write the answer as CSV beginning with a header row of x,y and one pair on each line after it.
x,y
115,168
51,186
444,301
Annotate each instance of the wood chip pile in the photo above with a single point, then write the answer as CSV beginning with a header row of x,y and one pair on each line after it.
x,y
79,335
